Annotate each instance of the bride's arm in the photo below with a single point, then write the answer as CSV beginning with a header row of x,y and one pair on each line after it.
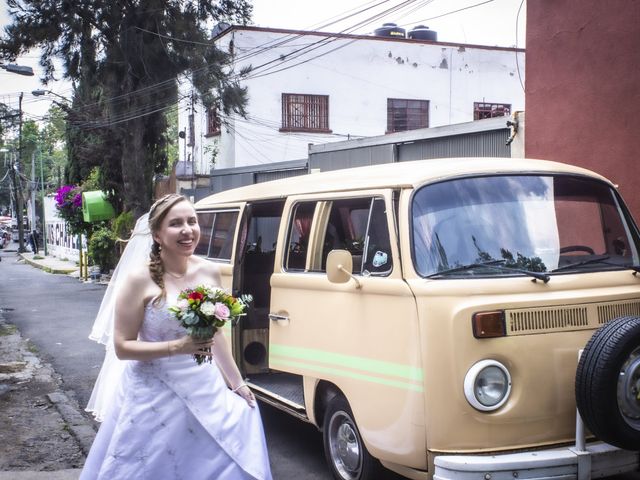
x,y
129,315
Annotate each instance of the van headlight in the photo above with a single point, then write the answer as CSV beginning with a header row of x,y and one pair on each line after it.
x,y
487,385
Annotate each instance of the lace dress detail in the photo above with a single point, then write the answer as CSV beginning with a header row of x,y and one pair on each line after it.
x,y
174,419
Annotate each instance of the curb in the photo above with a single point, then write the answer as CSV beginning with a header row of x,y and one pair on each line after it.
x,y
41,266
80,428
70,474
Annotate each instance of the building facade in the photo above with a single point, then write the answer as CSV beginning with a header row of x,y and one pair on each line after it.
x,y
312,88
582,88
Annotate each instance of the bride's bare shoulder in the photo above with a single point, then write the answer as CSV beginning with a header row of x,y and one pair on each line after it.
x,y
137,278
207,270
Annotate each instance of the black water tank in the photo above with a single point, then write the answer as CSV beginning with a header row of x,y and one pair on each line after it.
x,y
390,30
422,32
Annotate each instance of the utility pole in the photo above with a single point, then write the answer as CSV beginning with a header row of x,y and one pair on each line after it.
x,y
44,222
32,191
18,183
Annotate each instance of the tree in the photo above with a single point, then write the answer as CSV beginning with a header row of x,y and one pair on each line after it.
x,y
125,57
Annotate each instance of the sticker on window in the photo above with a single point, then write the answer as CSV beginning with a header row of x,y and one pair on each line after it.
x,y
379,259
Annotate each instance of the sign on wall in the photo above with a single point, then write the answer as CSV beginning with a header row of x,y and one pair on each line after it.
x,y
60,242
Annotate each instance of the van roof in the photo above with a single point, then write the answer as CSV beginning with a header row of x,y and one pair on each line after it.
x,y
389,175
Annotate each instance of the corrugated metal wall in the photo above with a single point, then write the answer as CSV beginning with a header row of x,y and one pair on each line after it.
x,y
239,177
482,144
278,174
489,143
354,157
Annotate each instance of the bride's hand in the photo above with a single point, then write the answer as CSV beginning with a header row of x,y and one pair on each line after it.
x,y
245,392
191,345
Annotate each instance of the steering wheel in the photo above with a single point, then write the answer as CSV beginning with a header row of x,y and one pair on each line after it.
x,y
577,248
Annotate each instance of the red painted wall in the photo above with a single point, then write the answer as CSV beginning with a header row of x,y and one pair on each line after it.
x,y
583,88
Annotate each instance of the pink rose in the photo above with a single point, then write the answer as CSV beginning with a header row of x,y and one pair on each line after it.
x,y
222,311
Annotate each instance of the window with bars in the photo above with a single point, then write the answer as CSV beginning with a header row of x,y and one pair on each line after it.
x,y
489,110
213,122
404,114
305,113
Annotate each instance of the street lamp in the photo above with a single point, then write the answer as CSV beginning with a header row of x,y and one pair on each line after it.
x,y
19,69
40,93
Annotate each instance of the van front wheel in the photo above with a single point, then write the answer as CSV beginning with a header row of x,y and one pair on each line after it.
x,y
343,447
608,383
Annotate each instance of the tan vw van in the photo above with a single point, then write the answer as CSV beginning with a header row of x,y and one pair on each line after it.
x,y
429,316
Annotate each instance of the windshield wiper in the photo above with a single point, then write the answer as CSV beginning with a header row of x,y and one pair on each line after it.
x,y
496,264
602,259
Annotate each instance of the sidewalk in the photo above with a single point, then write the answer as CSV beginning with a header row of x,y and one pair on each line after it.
x,y
44,433
50,263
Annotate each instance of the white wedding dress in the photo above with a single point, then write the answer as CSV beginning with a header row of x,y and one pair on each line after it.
x,y
175,419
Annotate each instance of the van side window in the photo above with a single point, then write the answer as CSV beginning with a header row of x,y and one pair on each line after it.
x,y
216,234
378,260
298,237
359,225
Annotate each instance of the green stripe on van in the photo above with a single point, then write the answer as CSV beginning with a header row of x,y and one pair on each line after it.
x,y
348,361
275,361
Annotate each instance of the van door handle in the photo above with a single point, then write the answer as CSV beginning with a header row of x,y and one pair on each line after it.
x,y
274,317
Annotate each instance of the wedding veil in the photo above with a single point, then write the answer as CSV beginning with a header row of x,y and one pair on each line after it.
x,y
134,256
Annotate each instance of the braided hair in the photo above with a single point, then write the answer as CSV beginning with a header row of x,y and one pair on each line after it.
x,y
157,213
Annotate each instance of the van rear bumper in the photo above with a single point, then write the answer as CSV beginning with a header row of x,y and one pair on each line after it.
x,y
598,459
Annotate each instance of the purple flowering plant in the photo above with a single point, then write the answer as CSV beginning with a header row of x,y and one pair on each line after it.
x,y
69,204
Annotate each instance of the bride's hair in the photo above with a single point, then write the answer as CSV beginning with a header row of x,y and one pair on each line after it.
x,y
158,211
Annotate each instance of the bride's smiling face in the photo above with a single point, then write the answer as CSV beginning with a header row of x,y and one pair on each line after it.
x,y
179,231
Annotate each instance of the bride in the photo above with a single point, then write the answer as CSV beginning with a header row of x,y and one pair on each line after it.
x,y
164,416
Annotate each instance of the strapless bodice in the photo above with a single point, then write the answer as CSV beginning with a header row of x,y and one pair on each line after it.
x,y
160,324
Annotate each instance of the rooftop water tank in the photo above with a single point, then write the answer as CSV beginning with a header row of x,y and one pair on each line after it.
x,y
422,32
390,30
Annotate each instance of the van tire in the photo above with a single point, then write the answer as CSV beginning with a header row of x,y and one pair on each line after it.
x,y
608,383
344,450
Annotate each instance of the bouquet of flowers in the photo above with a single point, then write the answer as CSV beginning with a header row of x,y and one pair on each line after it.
x,y
204,309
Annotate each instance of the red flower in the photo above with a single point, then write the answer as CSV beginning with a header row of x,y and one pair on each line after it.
x,y
195,296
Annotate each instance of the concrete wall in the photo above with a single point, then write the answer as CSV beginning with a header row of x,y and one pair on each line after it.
x,y
583,87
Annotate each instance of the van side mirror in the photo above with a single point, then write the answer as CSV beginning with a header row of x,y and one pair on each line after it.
x,y
339,266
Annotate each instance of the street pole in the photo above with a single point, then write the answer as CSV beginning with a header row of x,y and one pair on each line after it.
x,y
44,222
32,192
18,183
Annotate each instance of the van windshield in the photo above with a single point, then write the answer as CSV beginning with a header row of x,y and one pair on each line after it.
x,y
565,224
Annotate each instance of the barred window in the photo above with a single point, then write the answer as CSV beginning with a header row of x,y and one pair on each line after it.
x,y
489,110
404,114
305,113
213,122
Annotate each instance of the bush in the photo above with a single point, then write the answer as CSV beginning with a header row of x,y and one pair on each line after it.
x,y
102,248
123,225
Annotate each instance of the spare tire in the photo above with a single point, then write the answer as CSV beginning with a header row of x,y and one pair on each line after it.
x,y
608,383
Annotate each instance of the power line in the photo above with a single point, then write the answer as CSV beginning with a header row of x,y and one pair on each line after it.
x,y
455,11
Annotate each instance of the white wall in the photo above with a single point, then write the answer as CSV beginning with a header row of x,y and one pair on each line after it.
x,y
358,75
60,243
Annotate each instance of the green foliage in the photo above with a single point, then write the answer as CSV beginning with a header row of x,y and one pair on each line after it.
x,y
92,182
172,140
102,248
125,67
123,225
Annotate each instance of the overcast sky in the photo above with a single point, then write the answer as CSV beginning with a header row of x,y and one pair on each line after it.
x,y
482,22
